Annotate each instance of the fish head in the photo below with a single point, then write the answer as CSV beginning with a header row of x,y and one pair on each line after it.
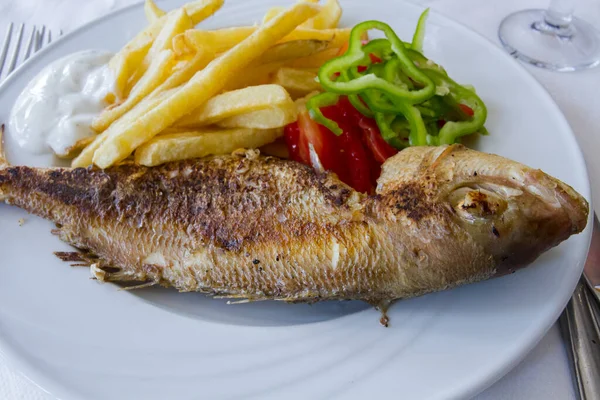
x,y
512,211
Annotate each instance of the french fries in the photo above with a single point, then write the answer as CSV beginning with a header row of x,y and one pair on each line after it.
x,y
181,146
156,74
298,82
125,63
120,143
182,92
86,156
237,102
152,11
176,23
269,118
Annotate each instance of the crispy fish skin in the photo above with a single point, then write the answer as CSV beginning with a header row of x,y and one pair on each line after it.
x,y
263,228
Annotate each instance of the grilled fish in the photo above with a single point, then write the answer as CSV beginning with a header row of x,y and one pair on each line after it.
x,y
254,227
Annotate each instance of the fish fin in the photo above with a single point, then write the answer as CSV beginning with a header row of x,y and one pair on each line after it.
x,y
140,286
72,256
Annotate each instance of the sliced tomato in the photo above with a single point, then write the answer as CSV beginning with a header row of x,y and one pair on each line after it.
x,y
357,161
380,149
296,147
466,109
356,169
322,140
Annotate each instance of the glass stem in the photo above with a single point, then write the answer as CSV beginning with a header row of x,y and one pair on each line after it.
x,y
560,13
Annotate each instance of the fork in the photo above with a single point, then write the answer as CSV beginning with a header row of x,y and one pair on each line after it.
x,y
12,53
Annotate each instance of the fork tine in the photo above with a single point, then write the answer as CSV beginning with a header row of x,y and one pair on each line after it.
x,y
30,43
5,47
16,50
40,38
49,36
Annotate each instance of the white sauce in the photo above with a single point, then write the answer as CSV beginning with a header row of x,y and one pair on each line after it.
x,y
56,108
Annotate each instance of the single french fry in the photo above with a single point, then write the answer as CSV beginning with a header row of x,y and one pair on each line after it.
x,y
221,40
125,63
199,10
152,11
253,76
269,118
157,73
76,148
236,102
298,82
217,41
182,146
86,156
335,37
314,60
198,90
294,49
272,13
327,18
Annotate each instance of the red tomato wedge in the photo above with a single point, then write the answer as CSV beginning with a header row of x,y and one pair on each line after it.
x,y
357,161
353,153
322,140
297,148
381,149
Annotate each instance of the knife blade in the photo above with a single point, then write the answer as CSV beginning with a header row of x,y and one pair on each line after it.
x,y
591,270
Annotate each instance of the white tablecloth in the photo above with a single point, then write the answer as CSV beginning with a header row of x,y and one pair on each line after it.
x,y
545,373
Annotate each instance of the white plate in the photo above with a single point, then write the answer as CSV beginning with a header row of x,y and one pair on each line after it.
x,y
80,339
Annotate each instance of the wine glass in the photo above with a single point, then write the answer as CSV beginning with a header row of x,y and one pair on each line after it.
x,y
553,39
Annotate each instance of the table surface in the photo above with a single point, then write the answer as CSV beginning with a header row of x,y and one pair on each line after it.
x,y
545,372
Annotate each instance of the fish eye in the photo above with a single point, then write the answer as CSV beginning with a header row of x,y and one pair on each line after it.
x,y
477,203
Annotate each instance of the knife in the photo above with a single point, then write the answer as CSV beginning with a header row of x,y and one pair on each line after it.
x,y
592,265
580,324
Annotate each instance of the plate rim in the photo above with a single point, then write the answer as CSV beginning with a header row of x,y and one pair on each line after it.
x,y
44,382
